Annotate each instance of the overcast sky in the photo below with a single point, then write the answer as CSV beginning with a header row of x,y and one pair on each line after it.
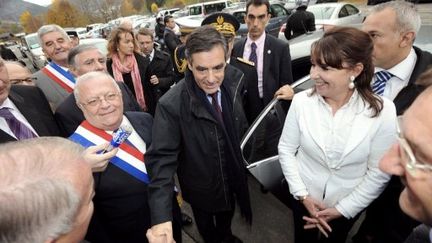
x,y
40,2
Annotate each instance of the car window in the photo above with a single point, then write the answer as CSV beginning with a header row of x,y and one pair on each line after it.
x,y
322,12
240,16
195,10
264,138
343,12
277,10
215,7
351,9
32,41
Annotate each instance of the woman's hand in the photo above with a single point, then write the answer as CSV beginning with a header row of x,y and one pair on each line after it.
x,y
314,221
98,162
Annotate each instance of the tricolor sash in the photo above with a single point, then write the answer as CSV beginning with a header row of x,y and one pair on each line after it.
x,y
128,158
63,78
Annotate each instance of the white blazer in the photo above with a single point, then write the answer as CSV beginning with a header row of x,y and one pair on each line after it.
x,y
355,181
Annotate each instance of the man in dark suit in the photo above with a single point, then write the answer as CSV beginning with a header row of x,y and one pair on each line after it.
x,y
28,105
160,72
300,22
270,55
121,212
83,59
393,27
170,38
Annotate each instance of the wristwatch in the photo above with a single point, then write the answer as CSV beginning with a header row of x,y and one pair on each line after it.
x,y
302,198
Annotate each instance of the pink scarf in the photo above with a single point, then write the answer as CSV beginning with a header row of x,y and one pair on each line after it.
x,y
131,66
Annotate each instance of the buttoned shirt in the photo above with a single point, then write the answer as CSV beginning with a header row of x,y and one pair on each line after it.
x,y
14,110
401,75
260,56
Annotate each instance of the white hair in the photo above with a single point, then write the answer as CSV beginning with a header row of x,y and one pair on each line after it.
x,y
37,198
45,29
407,17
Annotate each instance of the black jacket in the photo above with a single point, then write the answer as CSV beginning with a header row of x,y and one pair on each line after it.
x,y
171,40
161,66
33,105
407,95
188,139
300,22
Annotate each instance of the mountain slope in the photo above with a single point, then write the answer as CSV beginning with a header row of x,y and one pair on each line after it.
x,y
11,10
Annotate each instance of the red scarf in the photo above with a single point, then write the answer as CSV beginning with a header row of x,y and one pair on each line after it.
x,y
130,66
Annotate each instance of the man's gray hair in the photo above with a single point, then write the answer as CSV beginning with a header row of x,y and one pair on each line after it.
x,y
79,49
37,198
204,39
45,29
92,75
407,17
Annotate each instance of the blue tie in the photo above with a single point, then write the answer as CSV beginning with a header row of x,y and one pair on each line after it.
x,y
18,128
381,79
253,55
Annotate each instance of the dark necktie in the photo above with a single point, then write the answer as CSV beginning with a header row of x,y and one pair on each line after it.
x,y
381,79
18,128
216,106
253,55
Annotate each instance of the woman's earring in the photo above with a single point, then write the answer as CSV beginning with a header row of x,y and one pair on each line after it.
x,y
351,84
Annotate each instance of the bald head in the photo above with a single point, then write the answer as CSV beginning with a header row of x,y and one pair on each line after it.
x,y
18,73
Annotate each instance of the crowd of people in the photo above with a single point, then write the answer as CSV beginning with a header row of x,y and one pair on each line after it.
x,y
357,142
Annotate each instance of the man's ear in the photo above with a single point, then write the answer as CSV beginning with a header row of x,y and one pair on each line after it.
x,y
407,39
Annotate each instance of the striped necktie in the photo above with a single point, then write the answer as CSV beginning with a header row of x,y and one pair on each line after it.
x,y
381,79
253,55
18,128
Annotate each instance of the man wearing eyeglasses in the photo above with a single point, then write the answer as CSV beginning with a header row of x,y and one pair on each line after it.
x,y
19,74
411,159
121,209
24,111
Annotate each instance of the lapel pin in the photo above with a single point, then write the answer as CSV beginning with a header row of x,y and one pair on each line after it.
x,y
269,51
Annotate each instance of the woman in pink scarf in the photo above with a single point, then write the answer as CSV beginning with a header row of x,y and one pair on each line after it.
x,y
126,65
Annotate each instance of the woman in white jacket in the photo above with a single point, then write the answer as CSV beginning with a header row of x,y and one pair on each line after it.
x,y
333,138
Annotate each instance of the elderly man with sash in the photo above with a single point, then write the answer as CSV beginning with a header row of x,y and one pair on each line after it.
x,y
54,79
121,209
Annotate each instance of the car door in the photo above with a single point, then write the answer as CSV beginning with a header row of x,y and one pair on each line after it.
x,y
260,144
348,14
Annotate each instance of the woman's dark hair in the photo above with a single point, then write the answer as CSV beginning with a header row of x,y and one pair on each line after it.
x,y
114,40
349,46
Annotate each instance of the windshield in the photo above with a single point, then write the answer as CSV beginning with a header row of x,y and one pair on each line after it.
x,y
322,12
32,41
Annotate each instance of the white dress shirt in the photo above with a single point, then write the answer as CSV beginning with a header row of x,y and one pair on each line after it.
x,y
14,110
334,158
401,75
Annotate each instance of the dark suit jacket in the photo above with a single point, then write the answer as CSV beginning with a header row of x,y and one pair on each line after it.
x,y
121,211
298,23
252,109
171,40
161,66
69,116
276,69
408,94
34,106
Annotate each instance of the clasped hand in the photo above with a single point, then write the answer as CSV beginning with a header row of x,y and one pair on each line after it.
x,y
319,216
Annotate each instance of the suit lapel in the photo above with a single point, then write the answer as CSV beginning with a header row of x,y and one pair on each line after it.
x,y
4,137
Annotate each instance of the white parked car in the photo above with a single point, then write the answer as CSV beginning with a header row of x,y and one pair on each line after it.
x,y
336,14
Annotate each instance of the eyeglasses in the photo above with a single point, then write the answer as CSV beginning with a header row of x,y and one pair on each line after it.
x,y
414,167
97,101
24,80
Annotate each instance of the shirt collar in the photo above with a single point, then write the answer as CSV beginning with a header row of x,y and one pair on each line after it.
x,y
403,69
258,41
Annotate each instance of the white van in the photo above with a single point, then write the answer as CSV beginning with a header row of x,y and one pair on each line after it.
x,y
208,7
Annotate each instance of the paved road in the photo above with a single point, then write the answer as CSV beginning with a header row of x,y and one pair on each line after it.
x,y
272,219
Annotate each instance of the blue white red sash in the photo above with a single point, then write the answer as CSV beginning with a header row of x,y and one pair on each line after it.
x,y
128,158
63,78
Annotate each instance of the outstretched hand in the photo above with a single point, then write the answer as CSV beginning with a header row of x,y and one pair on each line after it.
x,y
98,162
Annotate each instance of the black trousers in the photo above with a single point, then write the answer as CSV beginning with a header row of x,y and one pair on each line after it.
x,y
340,227
214,227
